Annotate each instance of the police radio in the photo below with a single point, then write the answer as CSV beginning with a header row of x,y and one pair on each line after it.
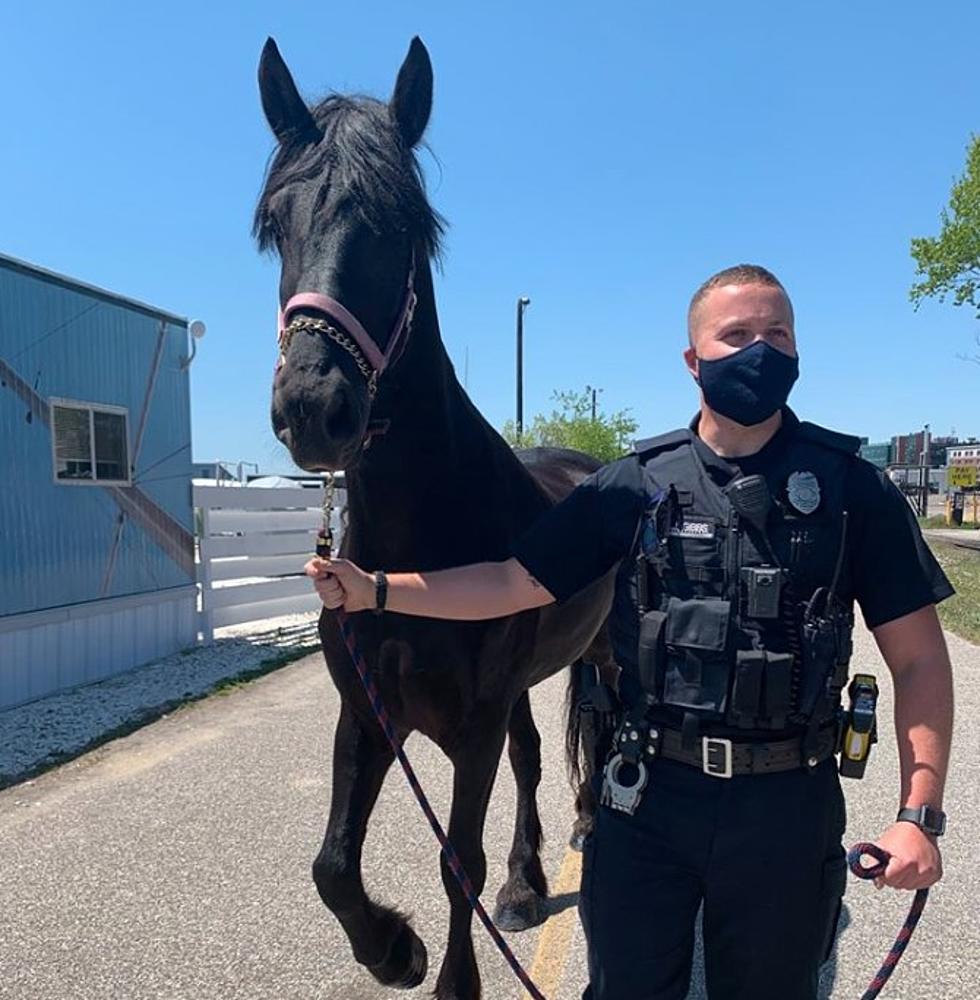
x,y
860,729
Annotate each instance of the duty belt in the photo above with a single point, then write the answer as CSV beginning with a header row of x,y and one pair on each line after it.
x,y
638,743
724,758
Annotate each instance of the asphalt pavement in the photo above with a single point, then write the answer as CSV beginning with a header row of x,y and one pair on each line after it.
x,y
175,863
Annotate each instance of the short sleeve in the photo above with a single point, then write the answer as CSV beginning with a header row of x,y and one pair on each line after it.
x,y
894,572
587,533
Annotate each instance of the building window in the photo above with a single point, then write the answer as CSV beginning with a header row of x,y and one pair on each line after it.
x,y
90,442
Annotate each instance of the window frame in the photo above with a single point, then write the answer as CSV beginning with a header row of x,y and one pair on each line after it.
x,y
91,409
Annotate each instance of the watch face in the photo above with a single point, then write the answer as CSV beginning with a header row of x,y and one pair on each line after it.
x,y
931,820
925,818
934,821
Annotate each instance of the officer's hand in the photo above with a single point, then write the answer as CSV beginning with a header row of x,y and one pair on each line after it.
x,y
341,584
915,862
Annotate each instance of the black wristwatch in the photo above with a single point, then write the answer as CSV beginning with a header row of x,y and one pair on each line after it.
x,y
380,591
927,819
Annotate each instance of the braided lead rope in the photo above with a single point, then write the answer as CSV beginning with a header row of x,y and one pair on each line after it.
x,y
882,857
452,858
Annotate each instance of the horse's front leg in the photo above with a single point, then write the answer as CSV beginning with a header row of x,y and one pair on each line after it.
x,y
380,937
475,765
522,899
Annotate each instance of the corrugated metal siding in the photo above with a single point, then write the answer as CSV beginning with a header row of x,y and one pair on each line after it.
x,y
41,659
57,539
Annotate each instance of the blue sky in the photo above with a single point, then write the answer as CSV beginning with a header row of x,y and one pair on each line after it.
x,y
601,158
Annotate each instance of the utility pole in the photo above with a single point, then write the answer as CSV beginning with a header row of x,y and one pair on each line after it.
x,y
522,303
593,390
926,463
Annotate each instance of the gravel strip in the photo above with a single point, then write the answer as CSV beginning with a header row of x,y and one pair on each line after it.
x,y
47,732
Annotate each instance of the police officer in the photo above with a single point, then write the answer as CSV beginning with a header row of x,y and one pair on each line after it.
x,y
743,542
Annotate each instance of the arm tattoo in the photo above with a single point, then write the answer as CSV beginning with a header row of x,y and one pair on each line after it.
x,y
534,583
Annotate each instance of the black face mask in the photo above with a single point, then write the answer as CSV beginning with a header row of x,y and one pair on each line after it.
x,y
750,385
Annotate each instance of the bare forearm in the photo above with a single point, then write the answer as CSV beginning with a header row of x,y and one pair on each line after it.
x,y
915,650
465,593
923,727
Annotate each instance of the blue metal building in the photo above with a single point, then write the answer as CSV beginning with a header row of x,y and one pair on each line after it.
x,y
97,571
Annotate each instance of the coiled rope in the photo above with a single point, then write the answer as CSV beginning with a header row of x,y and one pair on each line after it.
x,y
882,857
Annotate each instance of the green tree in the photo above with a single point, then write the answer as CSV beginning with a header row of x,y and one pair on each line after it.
x,y
570,425
950,263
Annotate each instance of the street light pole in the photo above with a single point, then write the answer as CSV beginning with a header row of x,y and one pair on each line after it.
x,y
522,303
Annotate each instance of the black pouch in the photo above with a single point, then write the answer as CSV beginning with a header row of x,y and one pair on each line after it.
x,y
746,700
778,689
652,653
697,669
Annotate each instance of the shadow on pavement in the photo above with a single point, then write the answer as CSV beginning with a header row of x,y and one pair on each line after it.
x,y
564,901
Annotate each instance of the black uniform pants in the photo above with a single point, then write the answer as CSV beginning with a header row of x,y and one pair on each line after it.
x,y
761,852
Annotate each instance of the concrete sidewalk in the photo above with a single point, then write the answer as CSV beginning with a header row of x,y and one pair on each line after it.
x,y
174,863
40,734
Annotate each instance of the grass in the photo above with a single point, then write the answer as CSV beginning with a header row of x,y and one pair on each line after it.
x,y
961,612
939,521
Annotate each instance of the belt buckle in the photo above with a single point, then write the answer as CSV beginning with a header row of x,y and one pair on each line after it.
x,y
716,756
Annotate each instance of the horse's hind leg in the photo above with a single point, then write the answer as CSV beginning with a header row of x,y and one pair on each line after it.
x,y
380,937
475,767
522,899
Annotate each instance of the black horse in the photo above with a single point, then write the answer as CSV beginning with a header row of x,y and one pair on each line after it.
x,y
344,207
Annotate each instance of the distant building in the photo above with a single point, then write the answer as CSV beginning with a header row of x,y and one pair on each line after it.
x,y
879,454
218,471
97,572
308,480
964,453
940,447
906,449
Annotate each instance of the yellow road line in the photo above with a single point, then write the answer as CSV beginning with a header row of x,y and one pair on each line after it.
x,y
551,955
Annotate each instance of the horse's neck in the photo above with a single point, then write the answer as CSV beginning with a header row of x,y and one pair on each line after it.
x,y
440,473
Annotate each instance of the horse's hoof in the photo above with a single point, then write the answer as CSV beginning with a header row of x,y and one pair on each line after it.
x,y
406,964
521,914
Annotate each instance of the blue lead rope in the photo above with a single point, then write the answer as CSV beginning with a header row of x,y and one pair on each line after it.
x,y
882,857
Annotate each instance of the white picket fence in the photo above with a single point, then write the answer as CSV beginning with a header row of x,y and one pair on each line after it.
x,y
253,544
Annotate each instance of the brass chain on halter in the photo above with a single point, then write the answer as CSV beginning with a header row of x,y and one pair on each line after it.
x,y
311,324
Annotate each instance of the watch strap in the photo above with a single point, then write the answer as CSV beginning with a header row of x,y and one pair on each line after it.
x,y
926,818
380,591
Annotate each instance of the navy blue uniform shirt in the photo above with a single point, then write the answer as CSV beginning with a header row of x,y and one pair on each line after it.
x,y
579,539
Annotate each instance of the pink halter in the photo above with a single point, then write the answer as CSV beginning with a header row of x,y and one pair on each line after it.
x,y
353,337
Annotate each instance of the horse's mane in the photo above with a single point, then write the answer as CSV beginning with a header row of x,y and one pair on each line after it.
x,y
365,169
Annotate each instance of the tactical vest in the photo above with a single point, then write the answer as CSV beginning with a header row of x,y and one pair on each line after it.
x,y
730,614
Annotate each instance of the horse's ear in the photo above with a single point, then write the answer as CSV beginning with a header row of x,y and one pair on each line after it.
x,y
286,112
411,104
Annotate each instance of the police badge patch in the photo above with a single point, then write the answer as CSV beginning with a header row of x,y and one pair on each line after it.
x,y
803,490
